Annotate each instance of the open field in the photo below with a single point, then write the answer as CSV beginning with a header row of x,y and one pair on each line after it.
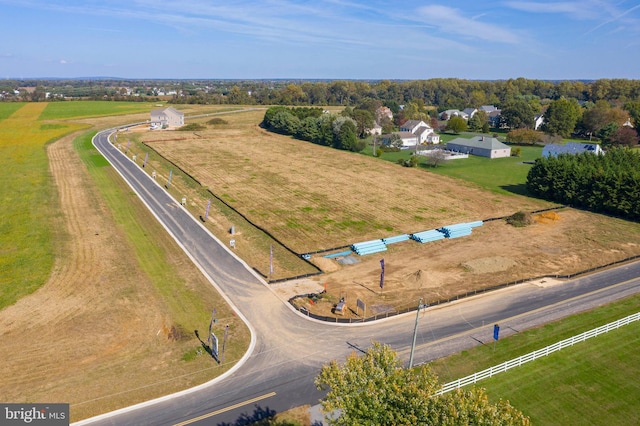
x,y
110,321
29,200
312,198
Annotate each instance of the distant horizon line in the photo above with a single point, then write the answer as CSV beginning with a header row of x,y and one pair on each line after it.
x,y
306,79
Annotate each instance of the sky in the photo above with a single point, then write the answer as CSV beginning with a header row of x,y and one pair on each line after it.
x,y
335,39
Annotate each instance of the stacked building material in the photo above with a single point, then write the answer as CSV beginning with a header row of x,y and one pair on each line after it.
x,y
396,239
369,247
427,236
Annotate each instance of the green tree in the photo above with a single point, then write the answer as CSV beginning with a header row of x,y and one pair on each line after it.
x,y
416,110
601,114
364,121
633,108
517,114
525,136
344,129
456,124
286,123
376,390
561,117
477,122
395,140
606,132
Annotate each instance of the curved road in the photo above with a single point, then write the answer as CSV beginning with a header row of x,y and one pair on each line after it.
x,y
288,350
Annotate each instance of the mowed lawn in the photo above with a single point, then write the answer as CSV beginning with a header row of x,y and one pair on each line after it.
x,y
28,199
499,175
594,382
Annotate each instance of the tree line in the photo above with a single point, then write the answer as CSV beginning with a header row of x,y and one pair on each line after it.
x,y
314,125
600,183
445,93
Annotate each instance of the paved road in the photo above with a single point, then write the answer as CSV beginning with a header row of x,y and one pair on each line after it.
x,y
288,350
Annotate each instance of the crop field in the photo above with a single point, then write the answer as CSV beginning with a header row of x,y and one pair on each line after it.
x,y
28,199
80,109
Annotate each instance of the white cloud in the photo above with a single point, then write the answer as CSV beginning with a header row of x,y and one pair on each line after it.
x,y
451,20
577,10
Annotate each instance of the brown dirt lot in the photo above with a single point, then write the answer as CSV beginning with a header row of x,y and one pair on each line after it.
x,y
563,242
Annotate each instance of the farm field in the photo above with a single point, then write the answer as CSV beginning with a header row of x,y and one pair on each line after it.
x,y
311,198
108,320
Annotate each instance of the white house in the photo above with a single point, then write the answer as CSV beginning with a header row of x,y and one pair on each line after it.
x,y
376,129
553,150
413,133
480,145
470,112
537,121
446,115
167,117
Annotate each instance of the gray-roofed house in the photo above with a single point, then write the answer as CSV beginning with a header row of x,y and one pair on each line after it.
x,y
483,146
470,112
167,117
488,108
572,148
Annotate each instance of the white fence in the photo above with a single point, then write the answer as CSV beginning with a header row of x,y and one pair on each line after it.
x,y
489,372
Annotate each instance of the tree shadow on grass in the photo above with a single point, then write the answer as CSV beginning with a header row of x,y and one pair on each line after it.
x,y
519,189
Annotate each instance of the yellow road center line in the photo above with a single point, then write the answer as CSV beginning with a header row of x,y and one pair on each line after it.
x,y
224,410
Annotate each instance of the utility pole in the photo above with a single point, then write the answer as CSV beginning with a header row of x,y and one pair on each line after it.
x,y
415,331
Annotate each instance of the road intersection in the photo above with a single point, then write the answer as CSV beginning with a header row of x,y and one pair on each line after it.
x,y
287,349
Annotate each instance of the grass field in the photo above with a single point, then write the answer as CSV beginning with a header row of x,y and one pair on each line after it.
x,y
499,175
8,108
595,382
80,109
28,200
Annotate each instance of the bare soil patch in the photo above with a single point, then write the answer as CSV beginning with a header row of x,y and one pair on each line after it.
x,y
494,254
